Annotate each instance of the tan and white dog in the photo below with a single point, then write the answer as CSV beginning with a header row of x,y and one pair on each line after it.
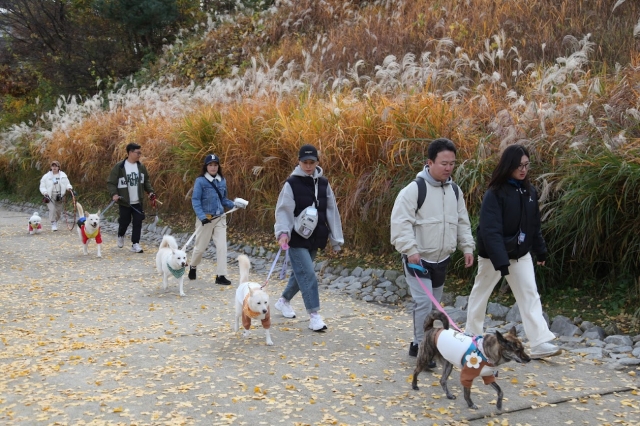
x,y
35,224
170,260
89,229
252,302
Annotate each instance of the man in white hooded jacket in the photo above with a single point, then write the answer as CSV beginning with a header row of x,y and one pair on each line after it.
x,y
53,186
427,235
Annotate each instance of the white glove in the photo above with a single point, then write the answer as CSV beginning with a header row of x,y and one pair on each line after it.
x,y
240,203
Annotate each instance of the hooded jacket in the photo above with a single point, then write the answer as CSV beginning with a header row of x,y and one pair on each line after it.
x,y
506,211
434,231
286,210
117,183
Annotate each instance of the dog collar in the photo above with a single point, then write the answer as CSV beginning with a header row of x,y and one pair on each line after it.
x,y
176,272
473,357
247,310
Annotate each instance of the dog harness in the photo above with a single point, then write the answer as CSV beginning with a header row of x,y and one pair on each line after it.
x,y
465,352
248,315
176,272
86,237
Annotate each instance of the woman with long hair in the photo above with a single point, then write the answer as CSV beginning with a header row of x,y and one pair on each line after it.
x,y
508,233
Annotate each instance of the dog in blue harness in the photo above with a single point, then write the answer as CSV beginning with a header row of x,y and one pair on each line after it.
x,y
474,355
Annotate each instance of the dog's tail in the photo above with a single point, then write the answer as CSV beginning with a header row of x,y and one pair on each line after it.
x,y
80,209
244,264
436,320
169,242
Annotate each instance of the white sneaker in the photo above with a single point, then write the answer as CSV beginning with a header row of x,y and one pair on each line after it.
x,y
544,350
316,323
120,241
54,226
283,306
136,248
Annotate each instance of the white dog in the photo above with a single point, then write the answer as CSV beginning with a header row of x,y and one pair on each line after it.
x,y
251,302
89,228
170,260
35,224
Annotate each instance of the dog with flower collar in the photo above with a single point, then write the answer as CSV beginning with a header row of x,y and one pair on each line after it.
x,y
252,302
171,261
474,355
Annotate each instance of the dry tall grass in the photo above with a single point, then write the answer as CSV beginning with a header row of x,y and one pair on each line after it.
x,y
372,128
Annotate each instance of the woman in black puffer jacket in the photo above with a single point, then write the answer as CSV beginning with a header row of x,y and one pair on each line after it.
x,y
508,232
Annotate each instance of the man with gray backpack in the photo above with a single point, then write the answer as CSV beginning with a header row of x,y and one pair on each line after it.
x,y
429,221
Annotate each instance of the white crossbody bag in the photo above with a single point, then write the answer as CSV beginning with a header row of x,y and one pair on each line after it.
x,y
305,223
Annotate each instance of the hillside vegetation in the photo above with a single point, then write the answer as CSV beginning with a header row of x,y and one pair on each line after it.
x,y
371,83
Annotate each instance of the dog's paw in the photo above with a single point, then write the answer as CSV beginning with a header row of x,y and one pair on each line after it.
x,y
269,342
182,294
246,334
415,387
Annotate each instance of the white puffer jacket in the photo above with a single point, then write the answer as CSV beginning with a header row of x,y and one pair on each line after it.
x,y
47,183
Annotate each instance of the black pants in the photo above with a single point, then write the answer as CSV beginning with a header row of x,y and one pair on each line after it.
x,y
126,214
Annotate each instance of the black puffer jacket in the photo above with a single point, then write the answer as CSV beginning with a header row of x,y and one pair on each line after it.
x,y
505,212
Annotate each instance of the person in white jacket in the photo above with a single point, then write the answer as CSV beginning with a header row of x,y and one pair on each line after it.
x,y
428,234
53,186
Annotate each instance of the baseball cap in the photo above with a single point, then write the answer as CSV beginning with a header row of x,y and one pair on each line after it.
x,y
211,158
56,162
308,152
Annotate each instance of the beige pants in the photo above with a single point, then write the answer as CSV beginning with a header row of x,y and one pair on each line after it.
x,y
55,210
522,280
217,228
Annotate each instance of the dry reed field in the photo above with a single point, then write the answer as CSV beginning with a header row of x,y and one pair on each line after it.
x,y
370,84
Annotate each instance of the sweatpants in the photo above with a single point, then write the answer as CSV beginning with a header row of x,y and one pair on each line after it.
x,y
55,210
422,303
522,281
217,228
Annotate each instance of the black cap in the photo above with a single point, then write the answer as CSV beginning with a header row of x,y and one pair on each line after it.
x,y
211,158
308,152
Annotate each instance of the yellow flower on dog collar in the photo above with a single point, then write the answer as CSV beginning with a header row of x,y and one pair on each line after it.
x,y
473,360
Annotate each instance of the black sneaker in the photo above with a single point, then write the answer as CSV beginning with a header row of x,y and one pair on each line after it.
x,y
220,279
192,273
413,350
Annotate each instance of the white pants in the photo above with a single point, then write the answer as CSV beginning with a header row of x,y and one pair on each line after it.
x,y
55,210
217,227
522,281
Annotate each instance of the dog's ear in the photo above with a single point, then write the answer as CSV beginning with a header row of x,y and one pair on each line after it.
x,y
513,331
501,338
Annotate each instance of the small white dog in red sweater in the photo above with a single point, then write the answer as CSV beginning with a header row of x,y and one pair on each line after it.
x,y
252,302
35,224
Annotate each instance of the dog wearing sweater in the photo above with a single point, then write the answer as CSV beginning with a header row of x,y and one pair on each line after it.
x,y
89,229
252,302
474,355
35,224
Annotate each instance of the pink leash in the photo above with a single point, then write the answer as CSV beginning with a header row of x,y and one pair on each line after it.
x,y
433,299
